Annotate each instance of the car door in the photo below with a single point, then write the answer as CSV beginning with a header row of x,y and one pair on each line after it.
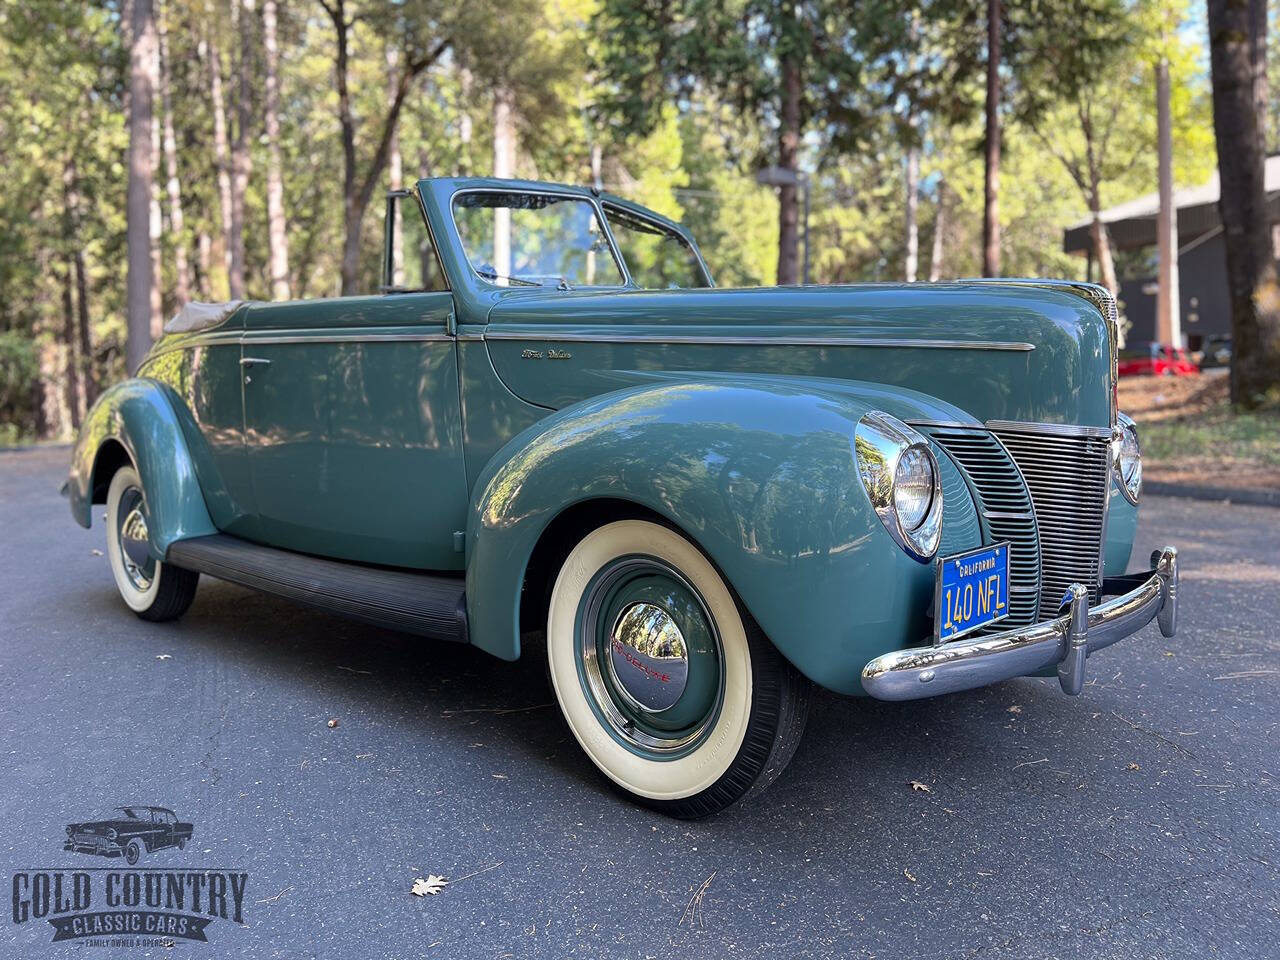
x,y
353,430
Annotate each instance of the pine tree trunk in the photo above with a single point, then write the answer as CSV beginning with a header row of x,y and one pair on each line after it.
x,y
1258,56
913,209
504,167
221,150
177,226
78,335
939,234
788,159
991,203
138,198
240,161
204,261
71,370
89,374
1101,240
395,174
277,231
1251,267
352,212
155,221
465,82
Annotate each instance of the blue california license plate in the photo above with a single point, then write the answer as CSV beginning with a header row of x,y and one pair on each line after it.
x,y
973,591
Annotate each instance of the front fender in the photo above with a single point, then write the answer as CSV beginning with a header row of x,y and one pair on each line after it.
x,y
759,472
137,415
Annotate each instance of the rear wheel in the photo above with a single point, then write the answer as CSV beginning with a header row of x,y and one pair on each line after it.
x,y
153,590
665,681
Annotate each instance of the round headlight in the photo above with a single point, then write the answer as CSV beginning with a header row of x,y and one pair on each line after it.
x,y
913,487
1129,460
901,480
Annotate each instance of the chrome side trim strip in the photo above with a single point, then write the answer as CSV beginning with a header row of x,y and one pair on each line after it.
x,y
254,338
1051,429
795,341
1077,633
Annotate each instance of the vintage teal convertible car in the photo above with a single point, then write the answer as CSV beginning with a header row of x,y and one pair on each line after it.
x,y
709,499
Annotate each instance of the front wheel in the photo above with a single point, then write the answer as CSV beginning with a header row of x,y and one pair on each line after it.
x,y
133,852
153,590
666,682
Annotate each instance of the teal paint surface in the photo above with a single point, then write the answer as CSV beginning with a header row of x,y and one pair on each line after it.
x,y
356,445
203,372
1063,379
139,414
1122,526
760,472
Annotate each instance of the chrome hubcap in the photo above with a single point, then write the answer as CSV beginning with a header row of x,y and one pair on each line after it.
x,y
135,549
647,657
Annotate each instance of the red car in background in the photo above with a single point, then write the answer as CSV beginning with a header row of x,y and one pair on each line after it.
x,y
1154,359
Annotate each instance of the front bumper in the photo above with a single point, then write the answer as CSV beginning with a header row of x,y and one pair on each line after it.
x,y
1067,641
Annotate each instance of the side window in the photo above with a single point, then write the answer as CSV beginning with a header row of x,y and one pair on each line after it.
x,y
658,258
410,263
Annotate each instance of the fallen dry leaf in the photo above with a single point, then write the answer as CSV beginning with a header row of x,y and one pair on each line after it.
x,y
1133,766
499,776
907,873
1015,709
428,887
333,723
96,552
164,656
917,785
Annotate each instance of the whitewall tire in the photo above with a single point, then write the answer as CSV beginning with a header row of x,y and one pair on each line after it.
x,y
665,681
153,590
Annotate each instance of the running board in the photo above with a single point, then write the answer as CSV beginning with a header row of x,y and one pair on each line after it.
x,y
428,604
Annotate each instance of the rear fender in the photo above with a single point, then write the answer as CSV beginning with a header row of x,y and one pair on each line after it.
x,y
760,473
136,419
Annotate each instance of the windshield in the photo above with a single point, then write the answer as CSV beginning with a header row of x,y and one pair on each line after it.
x,y
658,257
129,813
535,239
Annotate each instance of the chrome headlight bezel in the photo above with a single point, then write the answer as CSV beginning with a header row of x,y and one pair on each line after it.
x,y
1128,458
879,442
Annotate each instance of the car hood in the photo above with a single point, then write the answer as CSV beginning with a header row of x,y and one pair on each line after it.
x,y
997,351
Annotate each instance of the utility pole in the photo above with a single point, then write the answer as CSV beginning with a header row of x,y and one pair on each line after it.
x,y
1168,317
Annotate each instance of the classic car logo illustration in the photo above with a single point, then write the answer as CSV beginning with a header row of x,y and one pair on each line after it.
x,y
131,832
122,906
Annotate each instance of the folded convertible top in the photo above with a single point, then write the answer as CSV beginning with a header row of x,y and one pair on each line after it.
x,y
200,316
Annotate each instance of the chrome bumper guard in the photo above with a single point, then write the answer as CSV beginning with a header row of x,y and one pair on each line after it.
x,y
1067,641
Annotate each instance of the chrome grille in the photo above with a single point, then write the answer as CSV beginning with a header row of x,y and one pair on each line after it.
x,y
1067,477
1006,511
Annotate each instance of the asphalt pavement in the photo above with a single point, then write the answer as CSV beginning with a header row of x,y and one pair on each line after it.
x,y
1138,820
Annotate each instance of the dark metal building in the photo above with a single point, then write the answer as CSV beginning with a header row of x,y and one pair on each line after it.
x,y
1202,265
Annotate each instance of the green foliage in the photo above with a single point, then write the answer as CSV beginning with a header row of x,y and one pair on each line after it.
x,y
681,98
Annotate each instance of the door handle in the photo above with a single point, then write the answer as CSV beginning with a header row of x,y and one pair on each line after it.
x,y
247,362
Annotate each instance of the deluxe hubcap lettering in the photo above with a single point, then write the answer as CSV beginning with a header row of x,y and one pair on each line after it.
x,y
648,659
